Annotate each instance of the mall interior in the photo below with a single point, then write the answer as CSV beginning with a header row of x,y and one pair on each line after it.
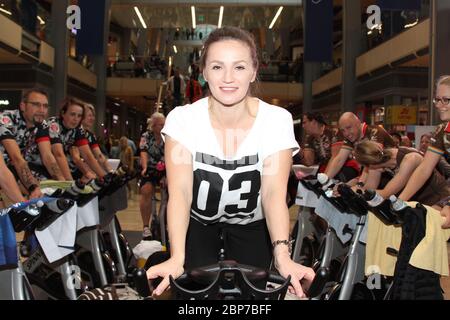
x,y
382,73
376,58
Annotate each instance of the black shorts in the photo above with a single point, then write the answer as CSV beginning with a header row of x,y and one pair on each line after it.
x,y
153,177
247,244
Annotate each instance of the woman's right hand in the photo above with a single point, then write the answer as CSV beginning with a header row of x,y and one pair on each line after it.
x,y
164,270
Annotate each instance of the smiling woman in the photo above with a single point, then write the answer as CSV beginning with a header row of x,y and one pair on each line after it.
x,y
440,145
228,156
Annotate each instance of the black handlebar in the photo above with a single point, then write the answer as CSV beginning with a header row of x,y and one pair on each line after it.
x,y
319,282
354,201
142,284
228,280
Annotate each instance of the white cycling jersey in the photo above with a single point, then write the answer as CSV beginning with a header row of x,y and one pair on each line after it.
x,y
229,189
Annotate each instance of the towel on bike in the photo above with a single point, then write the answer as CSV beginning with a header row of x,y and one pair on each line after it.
x,y
305,197
146,248
339,221
430,254
88,215
49,186
58,239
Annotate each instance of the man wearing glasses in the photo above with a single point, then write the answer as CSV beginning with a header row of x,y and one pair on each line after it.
x,y
25,137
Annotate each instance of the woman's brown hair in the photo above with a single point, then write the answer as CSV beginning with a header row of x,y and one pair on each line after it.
x,y
371,153
66,103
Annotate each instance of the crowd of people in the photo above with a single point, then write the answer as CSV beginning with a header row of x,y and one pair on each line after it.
x,y
225,159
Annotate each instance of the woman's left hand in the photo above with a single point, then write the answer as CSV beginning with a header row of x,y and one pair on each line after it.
x,y
301,276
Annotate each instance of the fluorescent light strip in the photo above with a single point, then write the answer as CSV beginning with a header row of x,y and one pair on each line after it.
x,y
5,11
175,49
412,24
140,17
276,17
219,24
194,25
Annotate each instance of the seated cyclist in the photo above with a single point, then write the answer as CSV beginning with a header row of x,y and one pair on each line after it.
x,y
26,143
400,163
70,145
321,144
88,124
355,131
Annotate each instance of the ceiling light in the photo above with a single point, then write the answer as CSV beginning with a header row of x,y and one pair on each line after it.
x,y
219,24
140,17
194,25
411,24
276,17
175,49
41,21
5,11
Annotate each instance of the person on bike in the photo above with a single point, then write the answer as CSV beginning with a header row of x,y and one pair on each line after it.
x,y
88,124
399,163
440,145
321,144
70,145
25,141
228,159
355,131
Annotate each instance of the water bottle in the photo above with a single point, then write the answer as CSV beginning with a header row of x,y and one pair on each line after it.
x,y
325,181
399,207
60,205
51,211
122,170
373,198
96,184
380,207
76,188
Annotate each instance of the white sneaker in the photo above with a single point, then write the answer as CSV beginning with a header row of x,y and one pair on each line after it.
x,y
147,234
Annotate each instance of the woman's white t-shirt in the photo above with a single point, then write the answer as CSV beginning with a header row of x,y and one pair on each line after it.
x,y
229,189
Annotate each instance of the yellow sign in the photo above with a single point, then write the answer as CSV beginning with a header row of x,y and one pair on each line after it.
x,y
401,115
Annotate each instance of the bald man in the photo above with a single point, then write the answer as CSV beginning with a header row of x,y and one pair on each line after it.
x,y
354,131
